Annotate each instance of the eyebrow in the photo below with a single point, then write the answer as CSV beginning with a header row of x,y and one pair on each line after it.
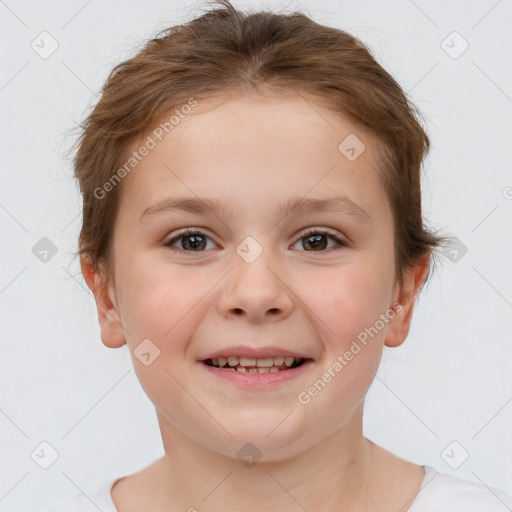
x,y
296,206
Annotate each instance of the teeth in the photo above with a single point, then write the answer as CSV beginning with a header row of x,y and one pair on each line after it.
x,y
265,363
253,365
256,369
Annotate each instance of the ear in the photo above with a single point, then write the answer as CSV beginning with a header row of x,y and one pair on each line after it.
x,y
398,327
112,332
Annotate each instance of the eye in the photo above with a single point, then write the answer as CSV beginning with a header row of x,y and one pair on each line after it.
x,y
191,241
316,238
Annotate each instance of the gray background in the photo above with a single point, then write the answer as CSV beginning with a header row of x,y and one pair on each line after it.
x,y
450,381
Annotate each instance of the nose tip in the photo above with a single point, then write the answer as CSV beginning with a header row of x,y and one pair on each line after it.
x,y
256,292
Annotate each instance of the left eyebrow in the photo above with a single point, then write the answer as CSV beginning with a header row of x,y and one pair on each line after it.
x,y
296,206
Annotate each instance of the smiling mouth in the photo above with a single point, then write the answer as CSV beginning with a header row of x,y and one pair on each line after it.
x,y
253,365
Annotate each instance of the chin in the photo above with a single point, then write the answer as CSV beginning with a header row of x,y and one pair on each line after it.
x,y
269,438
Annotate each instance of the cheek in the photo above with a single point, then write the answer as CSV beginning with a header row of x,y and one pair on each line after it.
x,y
156,302
349,300
351,329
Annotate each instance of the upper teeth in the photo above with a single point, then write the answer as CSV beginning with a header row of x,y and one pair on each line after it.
x,y
252,362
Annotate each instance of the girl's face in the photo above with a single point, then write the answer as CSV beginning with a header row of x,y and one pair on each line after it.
x,y
257,278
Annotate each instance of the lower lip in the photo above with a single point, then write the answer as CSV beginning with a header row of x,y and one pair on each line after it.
x,y
258,380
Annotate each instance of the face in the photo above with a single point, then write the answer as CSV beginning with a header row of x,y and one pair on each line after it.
x,y
255,278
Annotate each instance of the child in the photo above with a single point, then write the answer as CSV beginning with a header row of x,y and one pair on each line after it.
x,y
251,211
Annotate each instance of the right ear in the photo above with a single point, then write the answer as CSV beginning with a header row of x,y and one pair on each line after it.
x,y
112,332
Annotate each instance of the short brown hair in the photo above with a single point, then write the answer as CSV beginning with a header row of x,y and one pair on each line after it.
x,y
223,51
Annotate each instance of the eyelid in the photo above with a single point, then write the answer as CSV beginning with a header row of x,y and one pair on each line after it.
x,y
323,231
186,232
341,240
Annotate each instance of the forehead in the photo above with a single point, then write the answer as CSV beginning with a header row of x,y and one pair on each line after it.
x,y
265,147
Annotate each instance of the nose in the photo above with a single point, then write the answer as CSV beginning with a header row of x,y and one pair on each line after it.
x,y
257,291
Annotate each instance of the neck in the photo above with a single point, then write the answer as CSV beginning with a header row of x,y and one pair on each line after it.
x,y
331,475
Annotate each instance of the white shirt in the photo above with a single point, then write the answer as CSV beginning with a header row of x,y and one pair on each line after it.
x,y
439,492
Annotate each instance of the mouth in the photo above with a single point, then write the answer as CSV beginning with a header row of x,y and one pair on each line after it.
x,y
255,365
255,369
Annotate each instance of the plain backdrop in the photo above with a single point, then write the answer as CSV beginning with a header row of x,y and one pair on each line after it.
x,y
445,395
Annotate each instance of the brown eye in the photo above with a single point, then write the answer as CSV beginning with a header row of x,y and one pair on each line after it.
x,y
316,240
191,241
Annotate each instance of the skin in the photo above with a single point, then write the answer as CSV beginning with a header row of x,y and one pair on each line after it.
x,y
253,153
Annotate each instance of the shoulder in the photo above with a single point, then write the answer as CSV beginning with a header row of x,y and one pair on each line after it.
x,y
100,499
441,491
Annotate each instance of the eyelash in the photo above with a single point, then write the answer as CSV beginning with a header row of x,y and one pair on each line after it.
x,y
312,231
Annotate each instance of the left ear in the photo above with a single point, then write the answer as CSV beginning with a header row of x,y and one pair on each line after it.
x,y
398,327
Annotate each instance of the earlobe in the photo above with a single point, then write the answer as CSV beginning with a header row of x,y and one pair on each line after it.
x,y
109,318
398,327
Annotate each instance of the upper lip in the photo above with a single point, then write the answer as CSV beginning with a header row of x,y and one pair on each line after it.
x,y
253,353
